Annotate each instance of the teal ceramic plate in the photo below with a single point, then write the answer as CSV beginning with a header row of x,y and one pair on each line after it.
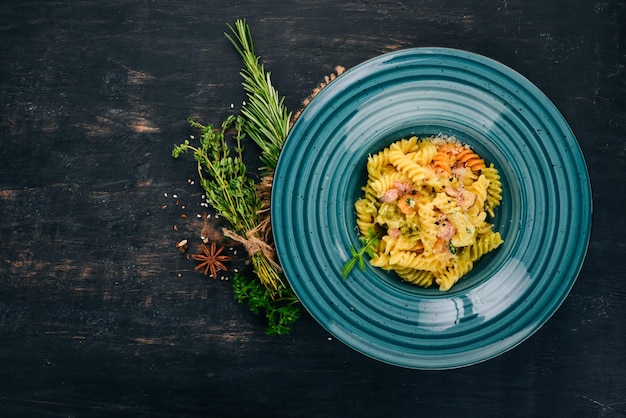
x,y
545,217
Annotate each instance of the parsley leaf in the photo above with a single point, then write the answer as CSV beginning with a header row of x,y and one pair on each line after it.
x,y
368,246
281,313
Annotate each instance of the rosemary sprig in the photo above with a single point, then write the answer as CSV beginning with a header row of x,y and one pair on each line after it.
x,y
368,245
267,117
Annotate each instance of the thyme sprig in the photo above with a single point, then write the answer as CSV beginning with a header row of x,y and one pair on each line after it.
x,y
368,246
224,177
266,116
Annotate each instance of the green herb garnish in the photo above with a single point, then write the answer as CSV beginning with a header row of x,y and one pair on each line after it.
x,y
368,245
281,313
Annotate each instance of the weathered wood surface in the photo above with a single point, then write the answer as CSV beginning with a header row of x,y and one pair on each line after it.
x,y
100,315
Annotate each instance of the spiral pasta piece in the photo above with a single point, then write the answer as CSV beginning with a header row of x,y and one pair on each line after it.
x,y
421,278
471,160
427,150
451,274
375,164
409,259
365,213
385,182
408,145
494,191
368,193
441,161
412,170
400,243
479,187
484,244
429,225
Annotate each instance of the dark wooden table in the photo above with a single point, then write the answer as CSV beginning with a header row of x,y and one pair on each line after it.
x,y
101,316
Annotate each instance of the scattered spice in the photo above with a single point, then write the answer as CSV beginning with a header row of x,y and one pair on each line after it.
x,y
208,232
182,245
211,259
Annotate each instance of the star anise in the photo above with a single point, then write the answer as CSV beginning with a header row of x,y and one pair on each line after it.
x,y
211,259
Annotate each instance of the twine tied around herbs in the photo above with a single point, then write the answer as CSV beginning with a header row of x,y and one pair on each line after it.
x,y
254,244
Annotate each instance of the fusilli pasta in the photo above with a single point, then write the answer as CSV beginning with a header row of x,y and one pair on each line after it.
x,y
429,200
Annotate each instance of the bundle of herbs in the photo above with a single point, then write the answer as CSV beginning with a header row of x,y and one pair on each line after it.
x,y
235,195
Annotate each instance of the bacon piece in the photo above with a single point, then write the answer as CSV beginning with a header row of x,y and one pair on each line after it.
x,y
403,187
390,195
465,199
450,191
459,170
446,231
393,232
